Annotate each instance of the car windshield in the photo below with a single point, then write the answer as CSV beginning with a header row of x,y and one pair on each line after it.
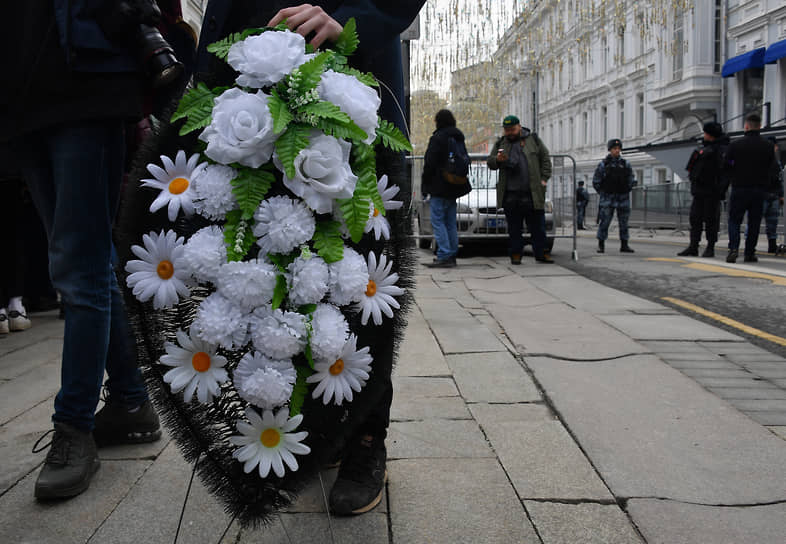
x,y
480,177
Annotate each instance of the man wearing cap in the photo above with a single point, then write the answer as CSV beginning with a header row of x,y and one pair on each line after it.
x,y
582,199
773,200
708,187
524,169
613,180
748,162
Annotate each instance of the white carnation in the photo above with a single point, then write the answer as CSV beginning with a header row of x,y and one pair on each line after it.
x,y
278,334
218,321
265,59
307,280
348,278
322,172
248,284
354,98
213,188
241,130
264,382
330,331
283,224
204,253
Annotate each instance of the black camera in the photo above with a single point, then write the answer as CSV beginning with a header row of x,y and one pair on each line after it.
x,y
132,22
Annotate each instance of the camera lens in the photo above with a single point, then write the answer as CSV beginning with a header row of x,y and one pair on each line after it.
x,y
157,56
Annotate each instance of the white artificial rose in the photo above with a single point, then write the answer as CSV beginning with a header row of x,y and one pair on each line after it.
x,y
322,172
354,98
265,59
241,130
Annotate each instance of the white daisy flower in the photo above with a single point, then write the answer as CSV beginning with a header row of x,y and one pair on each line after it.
x,y
214,197
348,278
337,379
380,291
248,284
160,274
264,382
282,224
204,253
218,321
198,369
307,280
376,221
278,334
329,331
175,181
268,440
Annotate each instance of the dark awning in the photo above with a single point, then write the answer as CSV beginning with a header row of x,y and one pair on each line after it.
x,y
775,51
751,59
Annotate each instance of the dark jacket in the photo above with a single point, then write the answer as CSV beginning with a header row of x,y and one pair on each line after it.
x,y
432,182
613,176
538,161
379,24
582,196
705,169
775,189
748,161
59,67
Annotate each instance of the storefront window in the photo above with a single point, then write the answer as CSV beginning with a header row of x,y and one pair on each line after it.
x,y
752,90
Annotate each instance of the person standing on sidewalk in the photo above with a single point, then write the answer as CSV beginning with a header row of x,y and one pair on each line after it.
x,y
613,180
442,201
749,163
708,187
582,199
773,200
524,168
67,94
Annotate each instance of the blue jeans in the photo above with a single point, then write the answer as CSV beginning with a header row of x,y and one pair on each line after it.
x,y
771,212
74,174
741,200
443,223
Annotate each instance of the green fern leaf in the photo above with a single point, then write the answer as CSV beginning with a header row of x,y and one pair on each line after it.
x,y
364,77
289,144
389,135
280,112
327,241
355,213
299,391
348,41
250,187
325,110
238,236
309,74
221,47
343,131
279,292
197,106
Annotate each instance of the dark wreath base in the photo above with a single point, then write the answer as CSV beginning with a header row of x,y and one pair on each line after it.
x,y
202,431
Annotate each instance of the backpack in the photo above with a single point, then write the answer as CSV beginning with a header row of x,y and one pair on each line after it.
x,y
457,168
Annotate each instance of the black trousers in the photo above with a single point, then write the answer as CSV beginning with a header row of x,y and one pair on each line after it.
x,y
12,212
704,215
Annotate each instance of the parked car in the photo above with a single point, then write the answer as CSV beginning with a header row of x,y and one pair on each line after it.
x,y
477,217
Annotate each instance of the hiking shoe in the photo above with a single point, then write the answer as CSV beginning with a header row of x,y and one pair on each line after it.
x,y
625,248
515,258
601,246
709,252
772,246
70,464
114,424
751,259
732,256
690,251
361,478
442,263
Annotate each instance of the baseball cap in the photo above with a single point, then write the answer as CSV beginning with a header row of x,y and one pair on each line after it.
x,y
510,120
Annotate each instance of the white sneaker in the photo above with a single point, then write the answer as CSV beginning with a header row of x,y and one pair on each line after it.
x,y
17,321
3,323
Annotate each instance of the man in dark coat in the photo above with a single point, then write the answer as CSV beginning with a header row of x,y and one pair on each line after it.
x,y
442,204
71,90
582,199
708,188
773,200
361,478
748,162
613,180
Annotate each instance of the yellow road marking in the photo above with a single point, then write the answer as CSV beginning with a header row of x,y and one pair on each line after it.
x,y
777,280
665,259
727,321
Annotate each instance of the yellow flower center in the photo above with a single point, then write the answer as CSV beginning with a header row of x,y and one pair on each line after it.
x,y
201,361
165,270
337,367
371,288
178,185
270,438
376,212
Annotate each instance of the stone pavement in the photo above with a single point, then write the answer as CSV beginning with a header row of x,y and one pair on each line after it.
x,y
531,405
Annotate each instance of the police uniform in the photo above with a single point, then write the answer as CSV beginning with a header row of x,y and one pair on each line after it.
x,y
613,180
582,199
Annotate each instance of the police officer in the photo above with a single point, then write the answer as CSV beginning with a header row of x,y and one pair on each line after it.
x,y
613,180
582,199
773,200
708,187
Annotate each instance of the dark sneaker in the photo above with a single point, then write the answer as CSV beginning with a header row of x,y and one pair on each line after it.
x,y
732,256
772,246
625,248
515,258
114,424
601,246
70,464
442,263
546,259
751,259
690,251
361,478
709,252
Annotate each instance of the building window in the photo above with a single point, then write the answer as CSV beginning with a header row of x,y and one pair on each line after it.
x,y
640,177
661,173
604,54
678,45
752,90
664,121
561,132
718,36
585,138
640,106
604,123
621,45
570,73
621,109
570,134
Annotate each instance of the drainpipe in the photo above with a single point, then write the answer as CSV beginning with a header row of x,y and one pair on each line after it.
x,y
724,12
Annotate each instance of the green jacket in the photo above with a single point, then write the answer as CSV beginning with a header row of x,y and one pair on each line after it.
x,y
537,159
